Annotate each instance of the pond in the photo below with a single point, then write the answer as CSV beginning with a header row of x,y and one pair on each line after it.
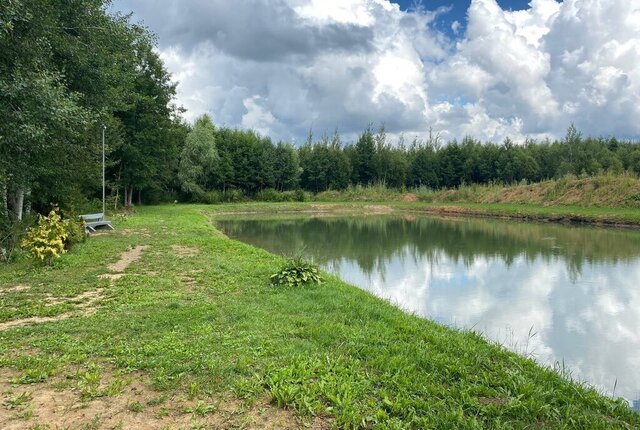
x,y
568,296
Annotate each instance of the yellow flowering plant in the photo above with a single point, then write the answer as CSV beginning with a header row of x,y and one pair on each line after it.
x,y
45,241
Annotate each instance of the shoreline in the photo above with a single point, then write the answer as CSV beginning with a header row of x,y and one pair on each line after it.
x,y
567,215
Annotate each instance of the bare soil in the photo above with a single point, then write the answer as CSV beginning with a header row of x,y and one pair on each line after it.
x,y
85,304
185,251
135,406
126,258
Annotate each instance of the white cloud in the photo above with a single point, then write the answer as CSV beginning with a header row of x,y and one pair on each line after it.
x,y
285,66
257,117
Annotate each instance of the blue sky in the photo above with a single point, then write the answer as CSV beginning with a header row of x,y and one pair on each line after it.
x,y
458,10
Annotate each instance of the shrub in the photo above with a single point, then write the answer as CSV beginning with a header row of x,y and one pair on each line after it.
x,y
231,196
269,195
76,233
272,195
211,197
295,273
300,196
45,241
12,232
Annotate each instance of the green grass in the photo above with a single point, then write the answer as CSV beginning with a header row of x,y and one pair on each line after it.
x,y
606,198
330,350
590,215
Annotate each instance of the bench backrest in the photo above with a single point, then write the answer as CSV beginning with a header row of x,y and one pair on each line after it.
x,y
92,217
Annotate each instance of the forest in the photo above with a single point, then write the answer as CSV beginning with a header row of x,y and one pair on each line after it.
x,y
225,163
71,70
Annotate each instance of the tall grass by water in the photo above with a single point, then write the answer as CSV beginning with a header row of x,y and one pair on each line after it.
x,y
593,191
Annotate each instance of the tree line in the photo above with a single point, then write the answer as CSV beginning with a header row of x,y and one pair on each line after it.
x,y
219,159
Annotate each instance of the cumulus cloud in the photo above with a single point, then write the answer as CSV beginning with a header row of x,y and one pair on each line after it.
x,y
285,66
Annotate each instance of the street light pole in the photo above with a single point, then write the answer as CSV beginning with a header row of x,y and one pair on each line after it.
x,y
104,127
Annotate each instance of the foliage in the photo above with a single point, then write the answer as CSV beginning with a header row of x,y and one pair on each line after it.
x,y
75,229
256,166
199,159
12,232
295,273
46,240
272,195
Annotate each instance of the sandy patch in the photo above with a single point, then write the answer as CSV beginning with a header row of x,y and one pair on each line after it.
x,y
127,257
449,209
185,251
33,320
188,281
85,305
133,406
325,207
379,209
101,233
15,288
495,401
111,276
140,232
409,197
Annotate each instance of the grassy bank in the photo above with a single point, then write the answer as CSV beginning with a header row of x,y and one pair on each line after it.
x,y
604,191
560,214
564,214
166,322
606,199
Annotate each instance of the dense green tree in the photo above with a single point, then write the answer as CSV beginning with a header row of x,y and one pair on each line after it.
x,y
364,169
286,167
199,160
424,166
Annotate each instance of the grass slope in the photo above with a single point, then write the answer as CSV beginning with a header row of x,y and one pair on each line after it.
x,y
605,199
577,214
605,191
196,317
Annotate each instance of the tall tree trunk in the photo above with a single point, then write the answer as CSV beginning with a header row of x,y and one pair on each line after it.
x,y
5,200
19,204
130,197
27,203
126,196
115,206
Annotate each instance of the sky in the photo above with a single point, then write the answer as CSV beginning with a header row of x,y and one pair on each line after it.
x,y
487,68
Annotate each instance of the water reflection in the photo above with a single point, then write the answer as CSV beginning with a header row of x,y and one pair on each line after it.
x,y
562,294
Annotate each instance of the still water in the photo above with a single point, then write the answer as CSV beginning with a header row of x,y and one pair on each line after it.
x,y
565,295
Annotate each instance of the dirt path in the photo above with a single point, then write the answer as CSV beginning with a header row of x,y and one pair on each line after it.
x,y
127,257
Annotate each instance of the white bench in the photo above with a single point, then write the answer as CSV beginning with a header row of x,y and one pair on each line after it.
x,y
94,221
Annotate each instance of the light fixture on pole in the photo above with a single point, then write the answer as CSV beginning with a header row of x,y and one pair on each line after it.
x,y
104,128
93,221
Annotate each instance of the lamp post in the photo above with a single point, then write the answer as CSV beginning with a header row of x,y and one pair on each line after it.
x,y
104,127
